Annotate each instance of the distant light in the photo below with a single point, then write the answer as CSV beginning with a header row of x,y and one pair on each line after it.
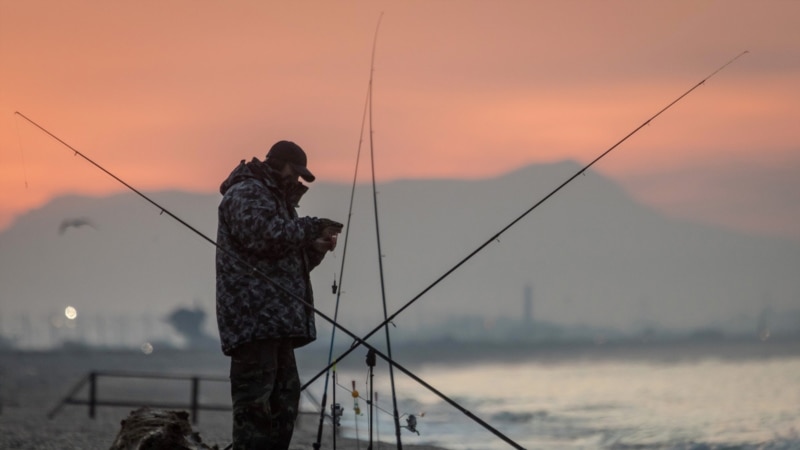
x,y
71,312
147,348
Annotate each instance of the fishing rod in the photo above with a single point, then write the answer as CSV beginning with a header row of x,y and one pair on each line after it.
x,y
367,109
265,277
495,236
336,412
371,384
380,252
338,291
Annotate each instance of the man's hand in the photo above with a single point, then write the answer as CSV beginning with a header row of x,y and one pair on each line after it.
x,y
326,242
328,223
323,245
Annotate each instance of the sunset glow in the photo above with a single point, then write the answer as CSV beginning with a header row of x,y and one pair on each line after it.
x,y
172,97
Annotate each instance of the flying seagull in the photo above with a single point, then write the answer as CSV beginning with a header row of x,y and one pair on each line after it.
x,y
76,223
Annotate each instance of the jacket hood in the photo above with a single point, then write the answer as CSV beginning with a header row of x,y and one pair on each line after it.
x,y
246,170
258,170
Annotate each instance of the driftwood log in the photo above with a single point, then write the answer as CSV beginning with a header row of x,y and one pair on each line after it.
x,y
156,429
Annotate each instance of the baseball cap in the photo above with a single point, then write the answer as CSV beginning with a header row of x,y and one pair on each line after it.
x,y
292,154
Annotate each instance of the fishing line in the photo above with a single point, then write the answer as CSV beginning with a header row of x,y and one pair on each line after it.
x,y
411,419
496,236
22,154
377,422
255,271
383,410
380,253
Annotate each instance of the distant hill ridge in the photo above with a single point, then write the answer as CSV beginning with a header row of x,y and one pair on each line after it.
x,y
591,254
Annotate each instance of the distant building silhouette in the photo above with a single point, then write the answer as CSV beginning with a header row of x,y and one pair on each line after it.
x,y
189,323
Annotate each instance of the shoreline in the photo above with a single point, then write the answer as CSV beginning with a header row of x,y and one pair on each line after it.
x,y
464,353
454,351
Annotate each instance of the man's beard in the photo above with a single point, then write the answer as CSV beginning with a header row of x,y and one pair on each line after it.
x,y
293,189
289,183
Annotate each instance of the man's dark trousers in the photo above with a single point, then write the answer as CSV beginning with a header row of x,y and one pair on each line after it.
x,y
265,389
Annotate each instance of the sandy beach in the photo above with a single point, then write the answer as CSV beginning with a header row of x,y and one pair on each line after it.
x,y
32,385
29,430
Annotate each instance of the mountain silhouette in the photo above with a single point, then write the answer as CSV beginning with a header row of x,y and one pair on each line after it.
x,y
591,254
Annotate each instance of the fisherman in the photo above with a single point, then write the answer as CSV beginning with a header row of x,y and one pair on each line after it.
x,y
264,296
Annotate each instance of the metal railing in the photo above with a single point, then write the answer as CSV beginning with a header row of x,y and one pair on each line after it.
x,y
93,400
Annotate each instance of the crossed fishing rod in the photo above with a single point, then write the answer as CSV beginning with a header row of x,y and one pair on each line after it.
x,y
361,341
255,271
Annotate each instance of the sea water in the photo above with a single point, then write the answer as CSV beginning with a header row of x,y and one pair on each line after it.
x,y
705,403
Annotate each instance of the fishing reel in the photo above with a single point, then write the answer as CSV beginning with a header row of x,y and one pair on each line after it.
x,y
336,412
411,423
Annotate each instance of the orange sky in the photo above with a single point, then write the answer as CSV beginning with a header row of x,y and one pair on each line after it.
x,y
173,94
